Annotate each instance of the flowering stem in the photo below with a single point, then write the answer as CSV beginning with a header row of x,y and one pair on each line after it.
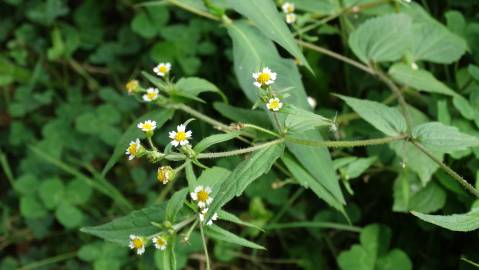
x,y
346,143
150,142
205,247
276,120
239,151
446,168
190,230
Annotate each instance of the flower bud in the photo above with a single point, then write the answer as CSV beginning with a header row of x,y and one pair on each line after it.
x,y
132,86
165,174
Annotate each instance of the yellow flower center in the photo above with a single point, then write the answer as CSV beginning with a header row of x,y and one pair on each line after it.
x,y
160,241
274,104
138,243
132,85
180,136
147,126
151,95
290,8
133,149
263,78
202,195
163,69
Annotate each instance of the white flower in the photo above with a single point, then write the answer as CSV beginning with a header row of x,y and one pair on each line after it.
x,y
151,94
133,149
202,195
137,243
162,69
290,18
274,104
160,242
147,126
288,7
203,213
181,136
264,78
312,102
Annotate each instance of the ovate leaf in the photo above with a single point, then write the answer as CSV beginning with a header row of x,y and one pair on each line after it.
x,y
214,139
223,215
388,120
193,86
419,79
266,17
458,222
441,138
381,39
299,120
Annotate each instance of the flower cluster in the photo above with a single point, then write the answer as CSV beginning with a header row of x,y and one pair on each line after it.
x,y
138,243
288,9
264,79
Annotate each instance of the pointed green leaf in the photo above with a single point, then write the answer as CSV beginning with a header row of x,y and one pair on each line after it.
x,y
441,138
419,79
458,222
223,215
175,204
214,139
221,234
194,86
299,120
386,119
267,19
382,39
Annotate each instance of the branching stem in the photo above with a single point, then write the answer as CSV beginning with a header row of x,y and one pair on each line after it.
x,y
338,144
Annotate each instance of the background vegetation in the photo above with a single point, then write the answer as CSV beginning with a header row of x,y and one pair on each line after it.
x,y
63,109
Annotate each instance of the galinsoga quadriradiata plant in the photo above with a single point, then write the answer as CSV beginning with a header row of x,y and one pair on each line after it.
x,y
198,202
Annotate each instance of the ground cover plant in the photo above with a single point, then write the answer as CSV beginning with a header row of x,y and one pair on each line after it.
x,y
239,134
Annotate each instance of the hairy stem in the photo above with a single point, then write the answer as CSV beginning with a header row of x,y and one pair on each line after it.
x,y
338,144
267,131
448,170
205,247
239,151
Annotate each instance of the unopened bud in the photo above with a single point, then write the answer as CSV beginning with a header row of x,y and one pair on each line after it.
x,y
165,174
132,86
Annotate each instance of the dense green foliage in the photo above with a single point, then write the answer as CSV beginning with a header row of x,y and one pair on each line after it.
x,y
381,174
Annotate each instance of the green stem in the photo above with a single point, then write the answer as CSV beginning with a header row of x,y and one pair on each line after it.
x,y
48,261
205,247
307,224
448,170
261,129
346,143
276,120
239,151
6,168
152,145
337,56
193,10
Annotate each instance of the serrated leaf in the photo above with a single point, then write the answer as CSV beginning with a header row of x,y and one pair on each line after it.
x,y
441,138
223,215
245,173
134,132
299,120
267,19
136,222
419,79
386,119
194,86
221,234
214,139
381,39
458,222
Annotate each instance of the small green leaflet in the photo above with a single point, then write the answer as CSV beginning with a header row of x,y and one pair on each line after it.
x,y
154,80
194,86
372,253
214,139
386,119
420,79
464,107
221,234
441,138
245,173
382,39
242,115
299,120
223,215
458,222
175,203
137,222
133,132
267,19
